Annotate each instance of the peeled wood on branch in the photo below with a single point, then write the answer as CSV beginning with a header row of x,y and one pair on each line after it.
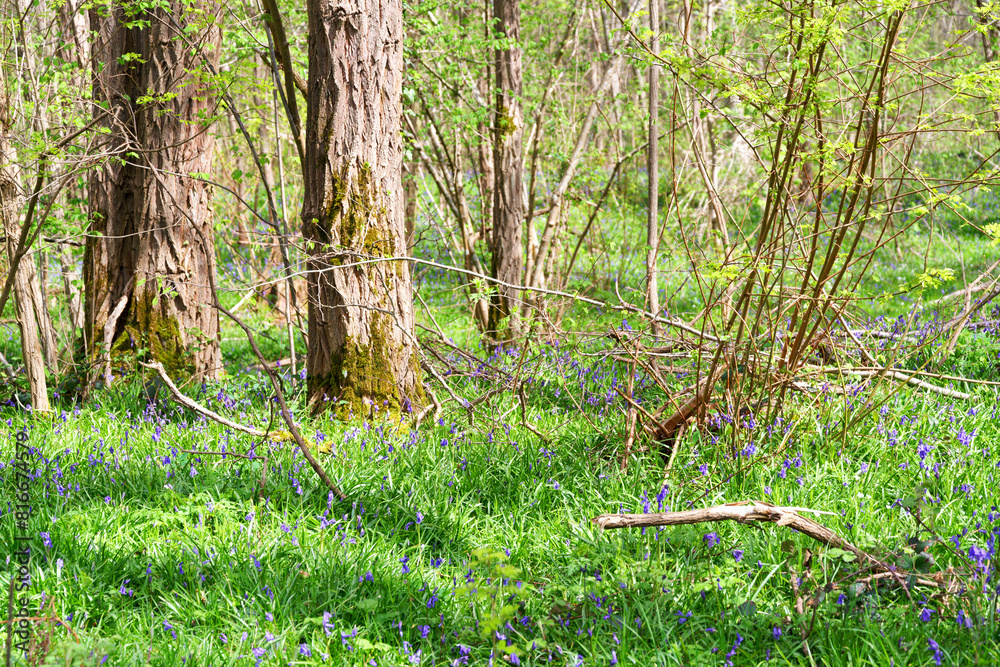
x,y
748,511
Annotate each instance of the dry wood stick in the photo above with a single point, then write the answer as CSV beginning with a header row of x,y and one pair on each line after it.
x,y
749,511
908,378
191,404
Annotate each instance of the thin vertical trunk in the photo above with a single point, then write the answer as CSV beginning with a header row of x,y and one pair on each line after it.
x,y
508,168
31,343
362,354
535,139
410,197
38,282
535,273
10,210
73,300
74,34
653,168
484,143
243,236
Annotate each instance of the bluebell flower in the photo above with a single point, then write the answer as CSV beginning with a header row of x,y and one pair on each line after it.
x,y
978,554
938,654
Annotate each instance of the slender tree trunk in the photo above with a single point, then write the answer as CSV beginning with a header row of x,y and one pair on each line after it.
x,y
72,293
361,347
485,158
74,34
410,199
37,284
11,200
653,168
31,342
508,202
151,246
535,272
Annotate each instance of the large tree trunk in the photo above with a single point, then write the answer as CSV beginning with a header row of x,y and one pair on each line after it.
x,y
362,355
508,208
151,248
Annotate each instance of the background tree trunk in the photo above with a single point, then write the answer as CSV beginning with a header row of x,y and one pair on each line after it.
x,y
653,168
410,199
361,346
508,206
151,246
25,287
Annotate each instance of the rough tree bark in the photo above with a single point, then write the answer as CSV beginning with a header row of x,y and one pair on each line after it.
x,y
151,247
508,168
362,355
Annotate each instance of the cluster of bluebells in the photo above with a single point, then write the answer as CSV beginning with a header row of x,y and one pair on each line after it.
x,y
425,570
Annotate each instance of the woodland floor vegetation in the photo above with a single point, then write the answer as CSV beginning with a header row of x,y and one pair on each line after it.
x,y
466,538
440,332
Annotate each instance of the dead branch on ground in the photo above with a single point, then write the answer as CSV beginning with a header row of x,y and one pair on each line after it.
x,y
749,511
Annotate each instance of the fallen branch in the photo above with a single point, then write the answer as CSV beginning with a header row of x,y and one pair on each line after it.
x,y
911,379
191,404
749,511
847,370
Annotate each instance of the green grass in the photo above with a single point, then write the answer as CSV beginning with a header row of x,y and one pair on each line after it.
x,y
465,540
453,531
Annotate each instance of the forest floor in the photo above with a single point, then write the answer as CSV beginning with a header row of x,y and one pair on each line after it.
x,y
470,541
